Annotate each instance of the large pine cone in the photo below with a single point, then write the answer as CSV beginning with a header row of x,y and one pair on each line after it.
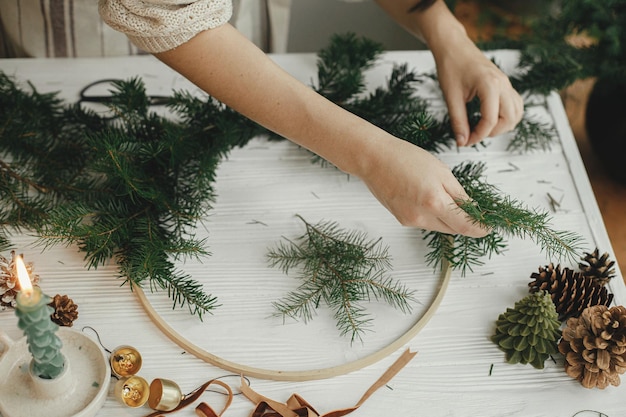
x,y
571,292
65,310
8,280
594,346
599,268
529,332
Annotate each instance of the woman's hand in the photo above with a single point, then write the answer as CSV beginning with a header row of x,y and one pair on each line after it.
x,y
464,73
417,188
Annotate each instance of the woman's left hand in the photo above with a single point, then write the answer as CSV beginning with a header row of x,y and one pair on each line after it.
x,y
464,73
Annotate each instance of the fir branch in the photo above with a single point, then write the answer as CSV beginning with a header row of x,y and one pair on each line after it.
x,y
550,61
506,217
422,130
130,188
391,104
531,134
549,67
397,108
342,268
341,64
394,107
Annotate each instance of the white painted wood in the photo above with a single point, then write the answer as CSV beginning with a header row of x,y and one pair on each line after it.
x,y
270,183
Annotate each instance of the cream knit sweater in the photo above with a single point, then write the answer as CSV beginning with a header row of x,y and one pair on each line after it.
x,y
160,25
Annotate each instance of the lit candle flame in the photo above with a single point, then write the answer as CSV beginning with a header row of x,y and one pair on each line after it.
x,y
26,287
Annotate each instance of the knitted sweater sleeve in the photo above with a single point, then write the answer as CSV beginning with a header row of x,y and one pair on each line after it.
x,y
161,25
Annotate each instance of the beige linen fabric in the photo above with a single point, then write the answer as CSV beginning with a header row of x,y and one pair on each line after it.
x,y
74,28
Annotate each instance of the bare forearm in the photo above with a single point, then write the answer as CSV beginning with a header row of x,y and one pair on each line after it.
x,y
417,188
428,22
228,67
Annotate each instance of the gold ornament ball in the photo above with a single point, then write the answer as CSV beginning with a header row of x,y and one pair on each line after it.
x,y
125,361
132,392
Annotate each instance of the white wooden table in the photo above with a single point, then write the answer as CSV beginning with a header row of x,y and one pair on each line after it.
x,y
458,370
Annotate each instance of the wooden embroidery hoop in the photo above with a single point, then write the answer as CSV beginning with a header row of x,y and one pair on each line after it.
x,y
305,375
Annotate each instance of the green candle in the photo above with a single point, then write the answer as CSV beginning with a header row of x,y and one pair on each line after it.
x,y
33,313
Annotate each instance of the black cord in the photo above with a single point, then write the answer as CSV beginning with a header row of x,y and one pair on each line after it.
x,y
86,98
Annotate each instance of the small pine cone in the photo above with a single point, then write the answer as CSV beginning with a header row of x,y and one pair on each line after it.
x,y
529,332
594,346
8,280
571,292
65,310
599,268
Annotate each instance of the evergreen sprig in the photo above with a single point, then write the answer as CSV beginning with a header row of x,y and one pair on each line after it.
x,y
341,64
397,107
551,61
530,135
341,268
506,217
394,107
38,161
129,188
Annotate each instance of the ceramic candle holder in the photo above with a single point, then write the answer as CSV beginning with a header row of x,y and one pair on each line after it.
x,y
79,391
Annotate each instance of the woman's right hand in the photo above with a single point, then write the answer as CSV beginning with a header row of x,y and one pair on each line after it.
x,y
417,188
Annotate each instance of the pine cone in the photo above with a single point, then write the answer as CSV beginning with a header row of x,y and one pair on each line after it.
x,y
65,311
598,268
8,280
594,346
571,292
529,332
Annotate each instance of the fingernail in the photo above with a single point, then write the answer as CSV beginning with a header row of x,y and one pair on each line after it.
x,y
460,140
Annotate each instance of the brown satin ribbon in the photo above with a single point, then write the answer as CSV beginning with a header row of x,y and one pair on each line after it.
x,y
296,406
203,409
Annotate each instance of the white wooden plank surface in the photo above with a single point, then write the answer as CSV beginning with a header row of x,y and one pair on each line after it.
x,y
269,183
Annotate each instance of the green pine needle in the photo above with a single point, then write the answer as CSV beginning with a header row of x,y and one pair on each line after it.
x,y
130,188
532,135
549,61
506,217
341,65
341,268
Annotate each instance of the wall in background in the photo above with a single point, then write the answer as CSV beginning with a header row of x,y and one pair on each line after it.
x,y
311,23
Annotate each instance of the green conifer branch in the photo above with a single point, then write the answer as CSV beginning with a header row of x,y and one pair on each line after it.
x,y
506,217
130,189
549,61
341,268
530,135
396,106
341,64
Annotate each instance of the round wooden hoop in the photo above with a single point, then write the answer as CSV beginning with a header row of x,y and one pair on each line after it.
x,y
307,375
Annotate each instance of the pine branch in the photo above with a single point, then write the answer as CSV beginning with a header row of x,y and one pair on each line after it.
x,y
549,61
549,67
531,135
390,105
341,64
397,107
506,217
342,268
130,188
